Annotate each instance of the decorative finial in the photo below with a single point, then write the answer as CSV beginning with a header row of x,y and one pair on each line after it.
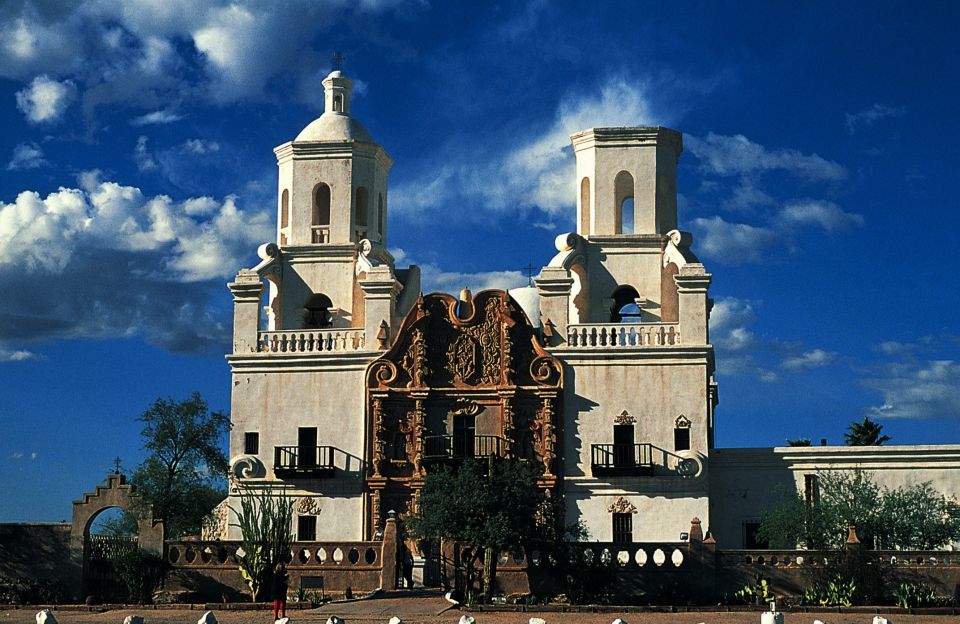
x,y
116,465
338,60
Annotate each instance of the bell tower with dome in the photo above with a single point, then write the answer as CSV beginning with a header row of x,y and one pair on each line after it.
x,y
333,177
331,209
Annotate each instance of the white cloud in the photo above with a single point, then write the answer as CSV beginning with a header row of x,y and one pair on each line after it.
x,y
26,156
17,355
433,278
741,243
142,156
816,358
732,243
156,117
823,214
106,260
151,54
917,390
538,172
871,115
728,324
737,155
45,99
201,146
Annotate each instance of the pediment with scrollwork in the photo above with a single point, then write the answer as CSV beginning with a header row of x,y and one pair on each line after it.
x,y
482,343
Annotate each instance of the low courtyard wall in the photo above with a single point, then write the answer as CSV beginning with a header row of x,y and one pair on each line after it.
x,y
209,569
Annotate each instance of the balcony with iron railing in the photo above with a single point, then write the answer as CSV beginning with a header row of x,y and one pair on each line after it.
x,y
621,460
303,461
457,447
622,335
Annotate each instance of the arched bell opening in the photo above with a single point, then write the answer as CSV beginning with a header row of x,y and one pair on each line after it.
x,y
625,308
318,312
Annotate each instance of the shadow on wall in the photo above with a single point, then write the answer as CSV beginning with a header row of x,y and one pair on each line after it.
x,y
42,552
581,406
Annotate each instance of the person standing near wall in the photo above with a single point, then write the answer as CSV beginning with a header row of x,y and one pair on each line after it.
x,y
279,588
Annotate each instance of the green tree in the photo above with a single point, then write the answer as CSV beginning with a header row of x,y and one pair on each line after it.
x,y
799,442
865,433
266,529
183,476
914,517
494,505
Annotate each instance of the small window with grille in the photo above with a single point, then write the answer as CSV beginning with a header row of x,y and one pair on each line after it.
x,y
251,442
622,528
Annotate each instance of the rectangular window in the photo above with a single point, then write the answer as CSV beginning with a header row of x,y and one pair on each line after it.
x,y
251,443
811,490
622,528
681,439
306,528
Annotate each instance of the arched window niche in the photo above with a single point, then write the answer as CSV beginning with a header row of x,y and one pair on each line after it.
x,y
285,208
318,312
625,308
623,203
320,218
381,217
361,216
338,103
585,207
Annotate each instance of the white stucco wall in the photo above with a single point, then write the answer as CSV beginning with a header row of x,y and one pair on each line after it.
x,y
743,481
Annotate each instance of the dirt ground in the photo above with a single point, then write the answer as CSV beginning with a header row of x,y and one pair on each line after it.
x,y
426,609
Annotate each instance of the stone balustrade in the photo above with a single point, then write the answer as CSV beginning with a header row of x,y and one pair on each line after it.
x,y
622,335
333,555
801,558
311,341
666,556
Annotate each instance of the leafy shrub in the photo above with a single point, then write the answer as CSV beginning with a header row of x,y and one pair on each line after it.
x,y
837,592
910,595
756,593
140,571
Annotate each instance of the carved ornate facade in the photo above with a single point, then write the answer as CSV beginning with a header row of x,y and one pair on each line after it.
x,y
464,378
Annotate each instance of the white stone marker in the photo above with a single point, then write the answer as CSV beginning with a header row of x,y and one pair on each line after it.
x,y
879,619
283,620
46,617
618,621
133,619
207,618
771,617
818,622
467,619
537,621
395,620
334,620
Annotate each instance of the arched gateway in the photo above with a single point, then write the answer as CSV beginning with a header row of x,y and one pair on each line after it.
x,y
117,493
464,378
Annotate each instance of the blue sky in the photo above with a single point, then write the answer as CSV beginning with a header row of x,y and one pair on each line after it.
x,y
137,176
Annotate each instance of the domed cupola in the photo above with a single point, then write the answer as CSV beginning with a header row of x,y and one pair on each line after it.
x,y
336,124
333,177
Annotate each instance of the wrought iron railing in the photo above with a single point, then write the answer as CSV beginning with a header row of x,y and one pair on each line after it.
x,y
461,446
315,461
621,459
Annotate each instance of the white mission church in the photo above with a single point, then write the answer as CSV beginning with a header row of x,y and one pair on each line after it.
x,y
355,385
